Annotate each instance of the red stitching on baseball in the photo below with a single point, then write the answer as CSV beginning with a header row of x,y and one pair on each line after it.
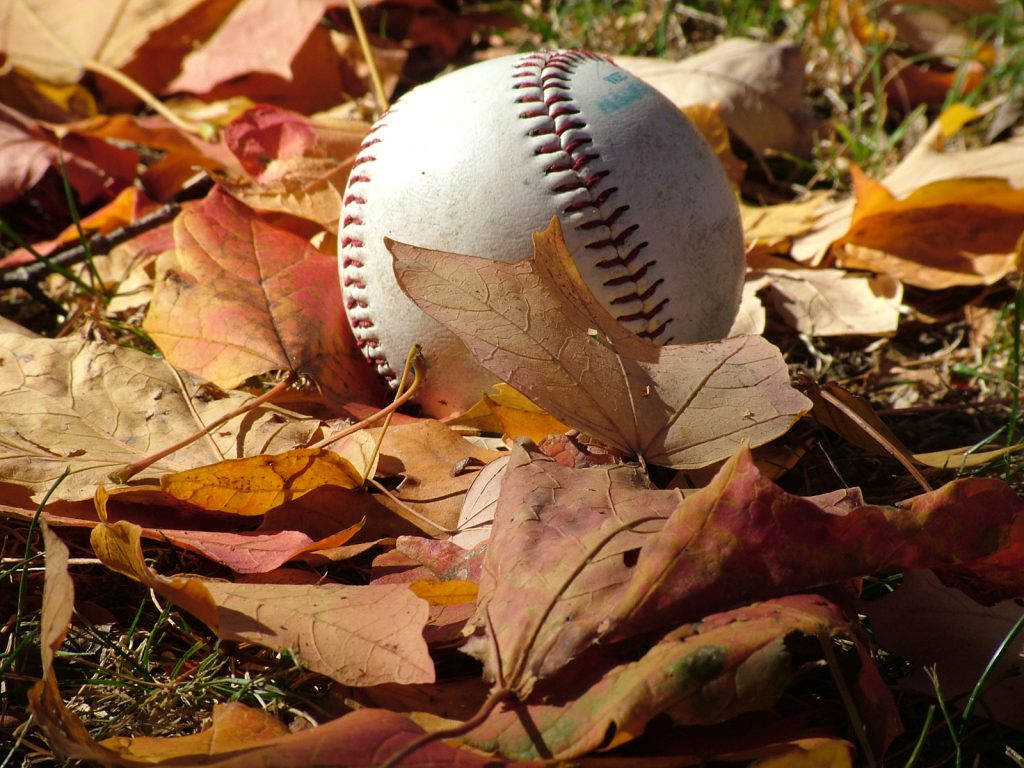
x,y
549,73
352,244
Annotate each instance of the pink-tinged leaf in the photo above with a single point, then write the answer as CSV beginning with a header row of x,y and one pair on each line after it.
x,y
251,552
698,674
298,165
581,556
258,36
559,557
27,151
358,635
247,297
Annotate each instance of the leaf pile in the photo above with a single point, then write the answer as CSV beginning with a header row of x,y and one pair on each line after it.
x,y
597,556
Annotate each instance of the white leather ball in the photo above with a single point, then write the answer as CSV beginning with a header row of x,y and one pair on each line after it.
x,y
476,161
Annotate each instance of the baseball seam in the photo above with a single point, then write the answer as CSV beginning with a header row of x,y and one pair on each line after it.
x,y
616,242
353,246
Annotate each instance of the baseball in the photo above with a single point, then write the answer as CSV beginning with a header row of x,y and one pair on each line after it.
x,y
477,160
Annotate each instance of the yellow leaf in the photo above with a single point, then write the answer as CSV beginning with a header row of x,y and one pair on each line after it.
x,y
255,485
964,458
451,592
811,753
955,117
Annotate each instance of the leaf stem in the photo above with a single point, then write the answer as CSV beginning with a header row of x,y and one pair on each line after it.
x,y
825,641
496,697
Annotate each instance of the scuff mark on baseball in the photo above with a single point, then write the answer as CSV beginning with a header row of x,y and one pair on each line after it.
x,y
476,161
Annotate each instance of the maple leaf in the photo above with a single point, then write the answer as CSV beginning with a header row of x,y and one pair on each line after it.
x,y
959,232
535,325
94,408
246,297
48,38
93,167
298,165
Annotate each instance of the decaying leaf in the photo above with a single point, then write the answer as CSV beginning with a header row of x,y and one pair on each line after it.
x,y
49,38
535,325
582,556
360,635
432,460
935,626
94,408
255,485
298,165
697,674
244,297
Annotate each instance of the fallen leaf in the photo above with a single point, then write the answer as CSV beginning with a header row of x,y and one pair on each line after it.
x,y
58,598
233,727
94,408
947,233
579,557
357,635
833,302
477,515
28,151
428,455
927,162
257,484
298,165
758,85
48,38
698,674
535,325
257,36
246,297
959,459
126,207
932,625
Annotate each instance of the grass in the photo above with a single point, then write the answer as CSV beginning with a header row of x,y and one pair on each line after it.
x,y
134,666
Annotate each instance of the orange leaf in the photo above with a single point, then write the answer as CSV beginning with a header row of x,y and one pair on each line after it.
x,y
956,232
451,592
249,296
254,485
234,727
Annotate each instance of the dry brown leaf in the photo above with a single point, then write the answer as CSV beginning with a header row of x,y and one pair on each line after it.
x,y
832,302
358,635
933,625
58,598
535,325
50,38
759,86
429,456
957,232
93,408
477,516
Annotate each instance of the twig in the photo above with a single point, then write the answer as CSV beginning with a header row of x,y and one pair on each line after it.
x,y
397,403
125,474
29,274
825,641
496,697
